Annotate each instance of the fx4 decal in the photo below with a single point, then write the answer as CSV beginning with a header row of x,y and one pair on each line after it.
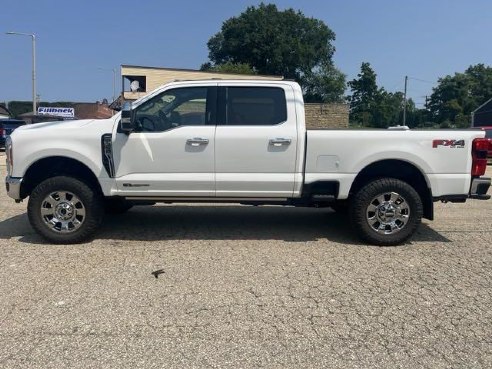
x,y
459,144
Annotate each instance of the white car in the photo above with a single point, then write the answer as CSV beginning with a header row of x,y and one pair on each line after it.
x,y
239,142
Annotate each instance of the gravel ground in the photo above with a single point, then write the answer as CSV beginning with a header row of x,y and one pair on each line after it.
x,y
246,287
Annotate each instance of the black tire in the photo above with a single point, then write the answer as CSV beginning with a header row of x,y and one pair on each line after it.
x,y
89,199
116,206
365,223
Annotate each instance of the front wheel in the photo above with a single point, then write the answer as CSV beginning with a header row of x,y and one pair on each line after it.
x,y
65,210
386,211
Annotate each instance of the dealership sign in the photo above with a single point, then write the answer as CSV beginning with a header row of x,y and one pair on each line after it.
x,y
56,111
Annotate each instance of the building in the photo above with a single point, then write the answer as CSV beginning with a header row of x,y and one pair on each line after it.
x,y
482,116
97,110
137,81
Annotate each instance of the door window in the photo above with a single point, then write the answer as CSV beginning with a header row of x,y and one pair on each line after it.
x,y
190,106
255,106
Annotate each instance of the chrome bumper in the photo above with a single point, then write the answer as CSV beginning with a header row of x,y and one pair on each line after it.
x,y
13,186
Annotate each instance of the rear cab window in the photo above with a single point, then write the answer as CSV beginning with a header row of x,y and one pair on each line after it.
x,y
254,106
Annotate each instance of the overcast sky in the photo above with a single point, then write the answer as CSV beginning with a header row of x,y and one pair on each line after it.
x,y
422,39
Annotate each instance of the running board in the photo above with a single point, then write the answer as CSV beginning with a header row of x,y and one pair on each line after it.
x,y
208,199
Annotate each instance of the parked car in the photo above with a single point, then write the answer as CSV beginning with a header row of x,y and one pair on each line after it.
x,y
249,146
6,128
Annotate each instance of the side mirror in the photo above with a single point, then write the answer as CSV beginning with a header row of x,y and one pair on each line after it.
x,y
127,124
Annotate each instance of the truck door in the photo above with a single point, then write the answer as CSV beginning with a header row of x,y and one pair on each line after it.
x,y
256,141
171,152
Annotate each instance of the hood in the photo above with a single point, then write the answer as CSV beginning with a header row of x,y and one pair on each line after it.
x,y
64,124
68,129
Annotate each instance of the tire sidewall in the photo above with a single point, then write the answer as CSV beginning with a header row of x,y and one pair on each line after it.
x,y
89,197
367,193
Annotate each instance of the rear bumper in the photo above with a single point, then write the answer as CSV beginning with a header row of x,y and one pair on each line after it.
x,y
479,188
13,186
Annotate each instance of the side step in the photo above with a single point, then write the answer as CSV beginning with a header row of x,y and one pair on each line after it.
x,y
323,198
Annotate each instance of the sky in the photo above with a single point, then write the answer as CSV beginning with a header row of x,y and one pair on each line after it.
x,y
423,39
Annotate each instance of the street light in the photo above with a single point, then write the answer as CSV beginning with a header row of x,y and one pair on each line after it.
x,y
114,80
33,36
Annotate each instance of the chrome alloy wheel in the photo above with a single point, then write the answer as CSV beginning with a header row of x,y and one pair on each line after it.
x,y
63,212
388,213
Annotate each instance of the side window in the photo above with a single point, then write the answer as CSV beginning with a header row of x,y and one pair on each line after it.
x,y
255,106
173,108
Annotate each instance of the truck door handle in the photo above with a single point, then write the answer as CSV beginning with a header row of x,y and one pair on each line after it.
x,y
197,141
280,141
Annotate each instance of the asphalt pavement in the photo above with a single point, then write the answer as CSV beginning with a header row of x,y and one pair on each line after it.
x,y
246,287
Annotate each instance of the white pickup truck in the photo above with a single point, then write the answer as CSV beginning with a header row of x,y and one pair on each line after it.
x,y
240,142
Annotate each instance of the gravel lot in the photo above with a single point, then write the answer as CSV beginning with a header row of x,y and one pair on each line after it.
x,y
246,287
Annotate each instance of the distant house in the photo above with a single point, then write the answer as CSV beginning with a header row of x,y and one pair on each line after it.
x,y
482,116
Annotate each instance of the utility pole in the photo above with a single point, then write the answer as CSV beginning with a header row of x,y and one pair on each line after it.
x,y
405,103
33,37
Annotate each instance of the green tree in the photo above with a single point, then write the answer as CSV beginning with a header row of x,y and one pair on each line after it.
x,y
228,67
325,84
364,96
285,43
455,97
372,106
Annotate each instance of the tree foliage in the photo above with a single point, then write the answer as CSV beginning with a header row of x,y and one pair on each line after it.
x,y
228,67
455,97
364,95
324,84
285,43
373,106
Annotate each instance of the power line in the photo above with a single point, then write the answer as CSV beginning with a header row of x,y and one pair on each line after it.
x,y
421,80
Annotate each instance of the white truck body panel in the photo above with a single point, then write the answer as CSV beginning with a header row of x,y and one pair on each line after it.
x,y
78,139
237,141
248,161
238,161
342,154
162,163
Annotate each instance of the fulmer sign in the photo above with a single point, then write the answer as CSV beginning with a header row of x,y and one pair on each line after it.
x,y
57,111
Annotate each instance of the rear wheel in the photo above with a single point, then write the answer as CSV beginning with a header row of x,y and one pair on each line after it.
x,y
386,211
65,210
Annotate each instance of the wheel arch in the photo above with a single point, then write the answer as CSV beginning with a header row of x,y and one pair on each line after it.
x,y
52,166
402,170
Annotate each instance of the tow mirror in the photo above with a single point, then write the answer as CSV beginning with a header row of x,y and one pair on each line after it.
x,y
127,123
